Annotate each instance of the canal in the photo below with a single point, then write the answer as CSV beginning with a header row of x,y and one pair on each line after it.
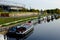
x,y
43,31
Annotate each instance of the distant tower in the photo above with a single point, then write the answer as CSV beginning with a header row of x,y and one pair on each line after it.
x,y
39,14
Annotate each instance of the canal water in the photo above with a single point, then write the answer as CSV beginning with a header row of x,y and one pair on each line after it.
x,y
43,31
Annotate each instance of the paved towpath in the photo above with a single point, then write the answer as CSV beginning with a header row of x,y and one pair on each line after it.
x,y
4,30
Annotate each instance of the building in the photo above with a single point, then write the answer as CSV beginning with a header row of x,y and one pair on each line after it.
x,y
11,7
8,8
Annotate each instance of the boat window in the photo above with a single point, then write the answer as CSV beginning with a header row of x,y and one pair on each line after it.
x,y
13,29
21,29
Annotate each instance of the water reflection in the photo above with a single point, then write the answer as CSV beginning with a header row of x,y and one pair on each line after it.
x,y
19,37
48,20
52,19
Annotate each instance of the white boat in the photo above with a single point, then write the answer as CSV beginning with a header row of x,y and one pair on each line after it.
x,y
45,18
3,37
35,21
49,17
25,29
21,29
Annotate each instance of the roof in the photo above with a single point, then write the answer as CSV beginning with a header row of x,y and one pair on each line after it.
x,y
11,4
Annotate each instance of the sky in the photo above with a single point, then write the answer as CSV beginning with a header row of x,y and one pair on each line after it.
x,y
36,4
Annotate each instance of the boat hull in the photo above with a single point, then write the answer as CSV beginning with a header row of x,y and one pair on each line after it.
x,y
26,32
20,34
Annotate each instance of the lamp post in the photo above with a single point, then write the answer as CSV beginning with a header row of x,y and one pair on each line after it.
x,y
39,14
30,9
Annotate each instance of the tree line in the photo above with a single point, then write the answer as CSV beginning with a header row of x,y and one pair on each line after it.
x,y
29,10
53,11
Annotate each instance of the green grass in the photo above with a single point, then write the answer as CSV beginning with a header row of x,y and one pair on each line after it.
x,y
18,21
7,20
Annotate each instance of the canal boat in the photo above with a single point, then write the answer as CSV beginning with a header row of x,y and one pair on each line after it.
x,y
52,17
34,22
56,16
21,37
25,29
21,29
45,18
48,17
39,21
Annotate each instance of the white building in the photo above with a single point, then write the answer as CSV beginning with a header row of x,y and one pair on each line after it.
x,y
8,5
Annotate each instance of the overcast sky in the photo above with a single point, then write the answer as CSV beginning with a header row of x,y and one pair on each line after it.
x,y
38,4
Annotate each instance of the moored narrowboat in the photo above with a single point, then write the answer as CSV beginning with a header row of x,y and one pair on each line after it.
x,y
21,30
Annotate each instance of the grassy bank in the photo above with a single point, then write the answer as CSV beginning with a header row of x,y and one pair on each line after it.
x,y
8,19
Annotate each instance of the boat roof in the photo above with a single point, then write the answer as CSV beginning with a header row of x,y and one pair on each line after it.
x,y
28,25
